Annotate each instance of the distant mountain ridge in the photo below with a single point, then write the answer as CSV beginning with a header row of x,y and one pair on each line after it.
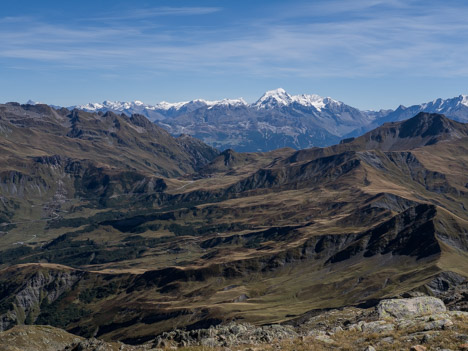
x,y
277,119
455,108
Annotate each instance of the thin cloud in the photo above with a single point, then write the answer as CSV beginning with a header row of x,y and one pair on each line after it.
x,y
158,11
174,11
382,38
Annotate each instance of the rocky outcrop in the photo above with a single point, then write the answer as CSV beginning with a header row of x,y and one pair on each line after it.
x,y
30,294
452,288
410,308
414,320
226,335
446,281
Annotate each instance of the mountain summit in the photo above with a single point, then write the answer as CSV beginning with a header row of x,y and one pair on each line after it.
x,y
279,98
273,99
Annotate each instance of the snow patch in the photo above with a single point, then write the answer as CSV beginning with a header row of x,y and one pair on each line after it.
x,y
311,101
464,100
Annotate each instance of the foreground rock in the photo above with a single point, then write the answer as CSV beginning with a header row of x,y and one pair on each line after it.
x,y
232,334
46,338
392,324
34,338
410,308
421,323
416,320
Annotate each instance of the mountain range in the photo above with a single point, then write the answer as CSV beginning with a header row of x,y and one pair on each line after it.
x,y
276,120
113,228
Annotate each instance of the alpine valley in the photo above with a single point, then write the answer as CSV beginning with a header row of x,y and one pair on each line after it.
x,y
112,228
276,120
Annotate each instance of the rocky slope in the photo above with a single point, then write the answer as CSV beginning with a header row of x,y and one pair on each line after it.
x,y
421,323
262,238
49,159
108,139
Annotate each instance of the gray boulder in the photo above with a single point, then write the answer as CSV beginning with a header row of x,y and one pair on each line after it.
x,y
377,327
410,308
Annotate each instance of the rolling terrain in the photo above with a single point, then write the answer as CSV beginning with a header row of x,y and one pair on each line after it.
x,y
112,228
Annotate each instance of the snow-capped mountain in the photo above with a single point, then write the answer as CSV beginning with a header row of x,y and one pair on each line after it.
x,y
279,98
274,99
270,100
163,105
277,119
159,111
194,104
455,108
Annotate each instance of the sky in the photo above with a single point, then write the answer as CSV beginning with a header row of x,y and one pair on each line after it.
x,y
370,54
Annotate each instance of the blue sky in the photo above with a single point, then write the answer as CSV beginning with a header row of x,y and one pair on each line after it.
x,y
370,54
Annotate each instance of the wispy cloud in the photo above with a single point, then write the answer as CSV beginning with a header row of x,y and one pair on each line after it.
x,y
157,12
325,39
173,11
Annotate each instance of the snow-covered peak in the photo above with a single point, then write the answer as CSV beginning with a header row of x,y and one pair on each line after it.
x,y
96,106
200,103
274,98
113,105
190,105
444,105
92,106
164,105
279,98
276,92
228,102
312,100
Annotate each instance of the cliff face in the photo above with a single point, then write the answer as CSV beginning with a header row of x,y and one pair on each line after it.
x,y
23,296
